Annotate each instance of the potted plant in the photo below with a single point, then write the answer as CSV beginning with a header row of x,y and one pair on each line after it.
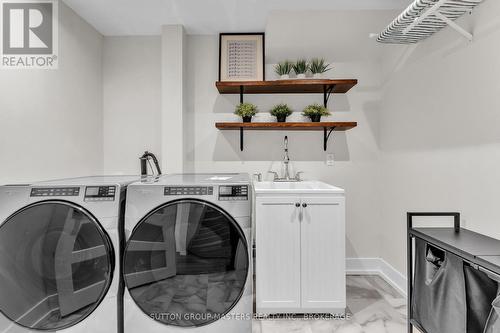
x,y
246,111
281,111
315,112
283,69
300,68
318,67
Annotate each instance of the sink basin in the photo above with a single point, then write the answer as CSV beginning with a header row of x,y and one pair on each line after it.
x,y
310,187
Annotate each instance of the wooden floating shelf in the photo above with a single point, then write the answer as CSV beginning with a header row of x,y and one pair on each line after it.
x,y
326,127
297,126
306,86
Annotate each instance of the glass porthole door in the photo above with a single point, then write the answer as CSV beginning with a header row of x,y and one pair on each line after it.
x,y
56,265
186,263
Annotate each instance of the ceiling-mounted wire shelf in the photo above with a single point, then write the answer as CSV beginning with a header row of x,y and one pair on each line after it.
x,y
423,18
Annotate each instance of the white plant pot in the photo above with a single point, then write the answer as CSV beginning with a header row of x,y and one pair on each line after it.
x,y
285,77
318,75
301,76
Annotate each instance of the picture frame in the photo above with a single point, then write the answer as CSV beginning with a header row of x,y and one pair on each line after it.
x,y
241,57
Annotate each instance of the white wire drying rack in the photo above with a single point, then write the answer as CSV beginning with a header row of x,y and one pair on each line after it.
x,y
424,18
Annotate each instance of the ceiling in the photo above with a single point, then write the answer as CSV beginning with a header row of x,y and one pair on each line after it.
x,y
336,35
145,17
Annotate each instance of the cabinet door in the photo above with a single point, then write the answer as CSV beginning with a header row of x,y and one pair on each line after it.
x,y
277,254
323,254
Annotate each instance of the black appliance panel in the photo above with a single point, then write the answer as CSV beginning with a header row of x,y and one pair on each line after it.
x,y
188,190
100,193
233,192
55,192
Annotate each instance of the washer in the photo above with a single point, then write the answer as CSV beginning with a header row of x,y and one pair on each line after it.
x,y
59,255
187,262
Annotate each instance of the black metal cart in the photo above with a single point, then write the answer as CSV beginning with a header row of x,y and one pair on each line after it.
x,y
459,264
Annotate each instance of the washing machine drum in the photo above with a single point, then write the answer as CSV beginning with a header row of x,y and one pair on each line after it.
x,y
56,265
186,263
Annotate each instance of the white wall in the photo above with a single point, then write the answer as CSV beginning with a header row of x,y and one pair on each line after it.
x,y
210,150
173,98
439,137
356,151
426,140
132,101
51,120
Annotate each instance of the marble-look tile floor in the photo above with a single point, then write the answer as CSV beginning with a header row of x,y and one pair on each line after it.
x,y
184,295
376,307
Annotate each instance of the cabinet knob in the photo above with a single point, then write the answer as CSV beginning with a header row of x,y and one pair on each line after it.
x,y
297,204
304,205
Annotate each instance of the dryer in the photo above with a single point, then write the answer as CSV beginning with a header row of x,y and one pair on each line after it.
x,y
59,255
187,261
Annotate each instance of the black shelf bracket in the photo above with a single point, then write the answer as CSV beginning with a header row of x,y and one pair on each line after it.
x,y
241,138
242,91
327,91
326,135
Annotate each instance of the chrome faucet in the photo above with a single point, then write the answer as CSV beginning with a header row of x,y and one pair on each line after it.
x,y
145,160
286,161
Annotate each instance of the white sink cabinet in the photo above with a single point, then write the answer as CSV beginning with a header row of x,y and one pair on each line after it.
x,y
300,248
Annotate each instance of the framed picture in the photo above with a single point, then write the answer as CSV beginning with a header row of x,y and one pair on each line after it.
x,y
241,57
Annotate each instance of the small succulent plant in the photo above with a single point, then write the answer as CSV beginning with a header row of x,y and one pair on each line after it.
x,y
283,68
315,112
319,66
281,111
300,67
246,111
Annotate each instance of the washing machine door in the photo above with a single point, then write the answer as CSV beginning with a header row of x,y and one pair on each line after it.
x,y
186,263
56,265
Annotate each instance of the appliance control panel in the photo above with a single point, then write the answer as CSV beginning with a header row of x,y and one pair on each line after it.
x,y
100,193
55,192
233,192
188,190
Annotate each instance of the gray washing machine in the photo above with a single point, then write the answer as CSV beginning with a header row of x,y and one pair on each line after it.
x,y
59,255
187,261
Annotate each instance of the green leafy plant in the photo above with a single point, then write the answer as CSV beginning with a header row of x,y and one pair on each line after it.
x,y
315,112
283,68
246,110
281,111
300,67
318,66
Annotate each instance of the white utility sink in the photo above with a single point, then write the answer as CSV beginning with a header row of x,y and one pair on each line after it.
x,y
309,187
300,247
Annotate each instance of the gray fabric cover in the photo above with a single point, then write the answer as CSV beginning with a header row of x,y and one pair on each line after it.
x,y
493,324
439,301
480,291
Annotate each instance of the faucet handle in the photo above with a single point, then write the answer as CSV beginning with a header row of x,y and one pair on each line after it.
x,y
276,176
297,175
258,176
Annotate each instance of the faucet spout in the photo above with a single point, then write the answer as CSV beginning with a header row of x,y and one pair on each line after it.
x,y
286,172
145,159
286,160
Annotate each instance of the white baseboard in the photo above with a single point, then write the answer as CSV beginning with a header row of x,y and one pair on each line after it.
x,y
380,267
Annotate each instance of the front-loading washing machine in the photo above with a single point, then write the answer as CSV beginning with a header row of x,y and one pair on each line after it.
x,y
59,255
187,261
